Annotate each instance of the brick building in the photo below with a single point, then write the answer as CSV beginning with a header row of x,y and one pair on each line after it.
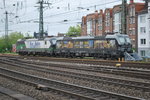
x,y
101,23
132,21
89,24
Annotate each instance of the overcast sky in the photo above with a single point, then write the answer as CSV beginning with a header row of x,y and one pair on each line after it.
x,y
23,14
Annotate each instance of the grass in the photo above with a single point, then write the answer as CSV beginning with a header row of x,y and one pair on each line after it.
x,y
9,53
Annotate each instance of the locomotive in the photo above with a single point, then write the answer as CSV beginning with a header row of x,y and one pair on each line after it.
x,y
110,46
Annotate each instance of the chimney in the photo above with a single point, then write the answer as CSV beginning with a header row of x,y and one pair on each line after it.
x,y
131,1
101,11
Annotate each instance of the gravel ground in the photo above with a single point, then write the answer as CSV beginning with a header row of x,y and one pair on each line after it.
x,y
107,87
5,97
28,90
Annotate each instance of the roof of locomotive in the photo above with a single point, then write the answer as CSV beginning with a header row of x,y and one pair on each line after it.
x,y
82,38
75,38
36,39
115,36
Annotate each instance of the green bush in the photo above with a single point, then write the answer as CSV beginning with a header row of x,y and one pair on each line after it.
x,y
6,43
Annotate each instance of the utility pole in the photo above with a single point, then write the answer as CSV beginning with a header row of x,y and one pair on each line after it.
x,y
124,16
6,30
41,23
6,25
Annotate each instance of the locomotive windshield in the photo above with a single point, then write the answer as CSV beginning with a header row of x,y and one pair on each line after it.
x,y
124,40
128,40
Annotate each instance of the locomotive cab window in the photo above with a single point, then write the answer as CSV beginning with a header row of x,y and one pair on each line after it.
x,y
128,40
122,40
59,44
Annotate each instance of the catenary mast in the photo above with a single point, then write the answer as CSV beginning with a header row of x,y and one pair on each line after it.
x,y
123,17
41,23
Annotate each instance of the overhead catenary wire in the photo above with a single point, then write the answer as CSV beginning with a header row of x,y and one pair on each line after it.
x,y
69,12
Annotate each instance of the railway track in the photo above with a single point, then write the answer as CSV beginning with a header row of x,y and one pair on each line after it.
x,y
145,86
12,95
130,72
140,65
5,97
71,90
96,62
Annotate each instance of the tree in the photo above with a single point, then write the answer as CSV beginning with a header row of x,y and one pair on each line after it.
x,y
6,44
74,31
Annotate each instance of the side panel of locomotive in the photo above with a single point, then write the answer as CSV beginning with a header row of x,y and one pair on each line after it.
x,y
105,48
110,46
86,47
35,46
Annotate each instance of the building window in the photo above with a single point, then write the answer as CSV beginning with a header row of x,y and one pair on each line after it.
x,y
100,27
142,30
132,20
142,19
149,12
100,23
132,11
142,53
149,24
89,27
117,22
107,31
107,20
107,23
143,41
149,35
132,31
100,20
